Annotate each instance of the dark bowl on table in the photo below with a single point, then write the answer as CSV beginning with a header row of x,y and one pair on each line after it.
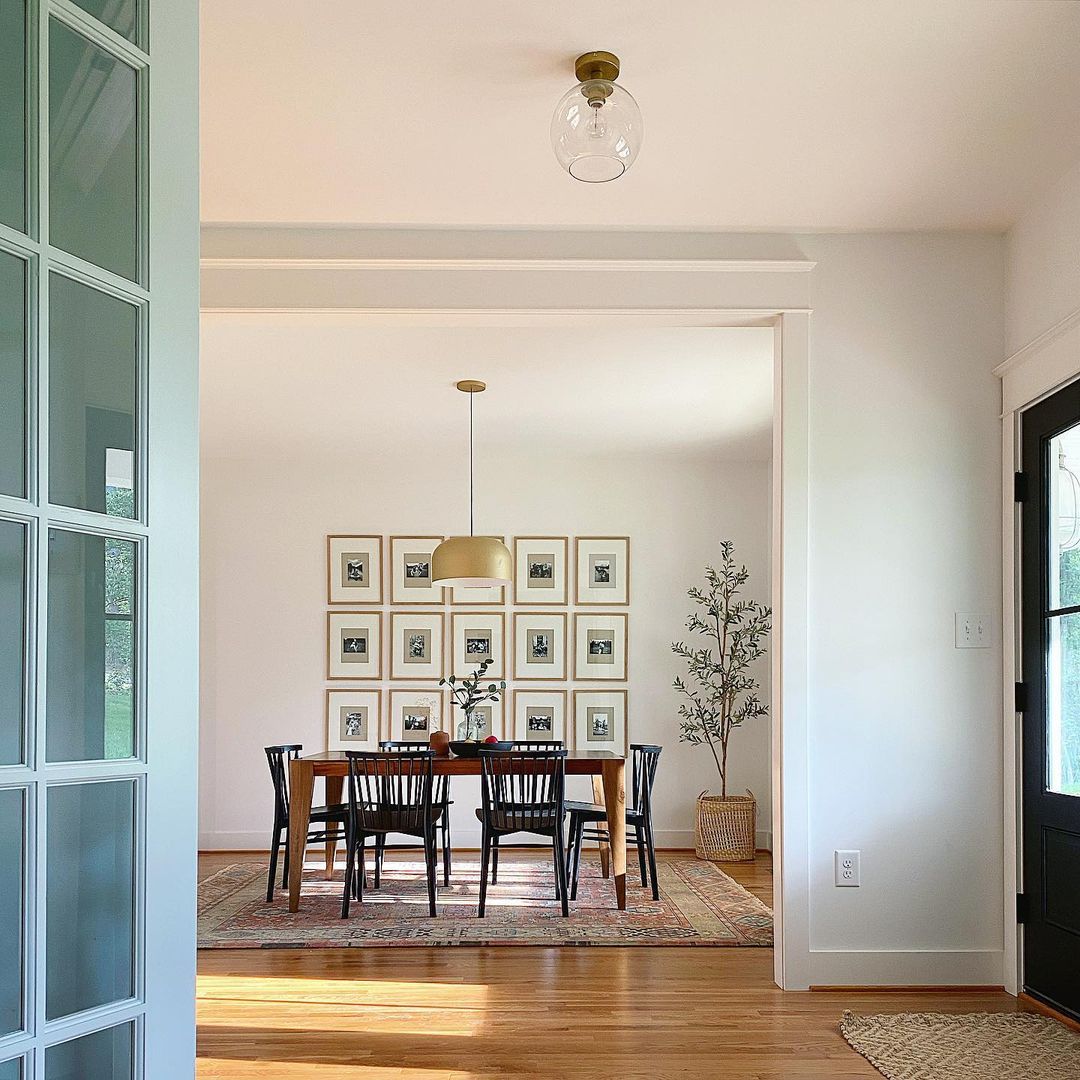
x,y
472,749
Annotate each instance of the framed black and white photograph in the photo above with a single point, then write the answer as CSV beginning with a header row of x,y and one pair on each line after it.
x,y
540,645
540,569
415,714
600,646
469,597
602,570
354,570
353,719
354,644
487,720
478,636
416,644
540,715
410,562
600,720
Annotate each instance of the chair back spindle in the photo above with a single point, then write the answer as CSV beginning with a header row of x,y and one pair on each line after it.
x,y
390,790
278,758
523,790
644,759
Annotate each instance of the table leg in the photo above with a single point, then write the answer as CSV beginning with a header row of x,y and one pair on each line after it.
x,y
615,804
605,850
334,787
301,781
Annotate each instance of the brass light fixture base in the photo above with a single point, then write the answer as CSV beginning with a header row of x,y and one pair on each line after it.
x,y
471,386
597,65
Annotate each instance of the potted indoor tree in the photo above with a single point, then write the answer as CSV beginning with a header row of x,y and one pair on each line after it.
x,y
719,694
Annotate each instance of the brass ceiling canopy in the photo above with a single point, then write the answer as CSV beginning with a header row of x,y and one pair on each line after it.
x,y
597,64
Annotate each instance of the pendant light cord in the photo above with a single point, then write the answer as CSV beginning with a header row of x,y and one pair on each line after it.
x,y
471,525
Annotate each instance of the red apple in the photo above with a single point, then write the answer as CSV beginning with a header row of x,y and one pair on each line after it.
x,y
491,739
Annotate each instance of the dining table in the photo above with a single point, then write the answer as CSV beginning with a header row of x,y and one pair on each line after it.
x,y
607,769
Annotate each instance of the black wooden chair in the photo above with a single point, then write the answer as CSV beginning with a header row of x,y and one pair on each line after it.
x,y
278,758
442,800
389,792
638,817
519,744
523,791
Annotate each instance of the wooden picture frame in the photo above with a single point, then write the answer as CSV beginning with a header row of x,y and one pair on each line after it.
x,y
548,704
411,631
601,646
528,665
540,571
602,571
339,702
494,714
410,552
354,645
586,723
429,704
462,652
354,569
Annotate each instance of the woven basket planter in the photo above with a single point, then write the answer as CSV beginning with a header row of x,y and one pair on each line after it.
x,y
725,827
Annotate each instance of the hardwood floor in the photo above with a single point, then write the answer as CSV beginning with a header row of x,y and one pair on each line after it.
x,y
487,1013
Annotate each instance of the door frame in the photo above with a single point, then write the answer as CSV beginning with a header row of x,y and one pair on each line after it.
x,y
1031,374
503,291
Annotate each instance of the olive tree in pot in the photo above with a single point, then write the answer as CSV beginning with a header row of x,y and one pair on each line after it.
x,y
719,694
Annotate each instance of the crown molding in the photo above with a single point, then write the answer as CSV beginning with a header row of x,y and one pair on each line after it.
x,y
1036,345
650,266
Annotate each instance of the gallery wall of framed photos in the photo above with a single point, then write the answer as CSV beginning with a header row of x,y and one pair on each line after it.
x,y
558,636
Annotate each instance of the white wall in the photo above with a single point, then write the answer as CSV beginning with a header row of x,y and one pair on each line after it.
x,y
1043,284
905,742
266,511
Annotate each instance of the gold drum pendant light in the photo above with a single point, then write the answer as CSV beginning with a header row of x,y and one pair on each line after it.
x,y
471,561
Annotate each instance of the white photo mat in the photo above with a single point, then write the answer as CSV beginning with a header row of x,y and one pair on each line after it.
x,y
540,646
602,570
415,714
540,570
354,644
600,720
540,715
354,569
417,644
468,632
353,719
491,713
600,647
410,570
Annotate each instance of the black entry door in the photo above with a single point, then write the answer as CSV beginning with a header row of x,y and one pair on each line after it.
x,y
1050,641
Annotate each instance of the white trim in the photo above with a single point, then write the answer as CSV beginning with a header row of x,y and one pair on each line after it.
x,y
929,967
635,266
1037,344
530,316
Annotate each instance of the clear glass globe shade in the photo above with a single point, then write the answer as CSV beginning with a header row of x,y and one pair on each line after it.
x,y
596,131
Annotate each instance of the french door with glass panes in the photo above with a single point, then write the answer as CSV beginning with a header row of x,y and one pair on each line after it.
x,y
98,472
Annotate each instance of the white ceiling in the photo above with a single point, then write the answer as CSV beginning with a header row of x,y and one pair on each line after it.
x,y
281,388
759,114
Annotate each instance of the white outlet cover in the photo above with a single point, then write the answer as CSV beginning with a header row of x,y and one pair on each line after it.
x,y
847,872
972,630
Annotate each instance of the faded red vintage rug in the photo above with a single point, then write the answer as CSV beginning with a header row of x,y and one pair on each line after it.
x,y
699,905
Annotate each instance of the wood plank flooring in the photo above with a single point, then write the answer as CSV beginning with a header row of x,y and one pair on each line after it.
x,y
482,1014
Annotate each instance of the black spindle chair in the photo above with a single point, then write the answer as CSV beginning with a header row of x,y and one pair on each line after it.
x,y
519,744
440,800
389,792
523,791
638,817
278,758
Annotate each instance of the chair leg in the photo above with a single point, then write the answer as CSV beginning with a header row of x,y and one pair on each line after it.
x,y
361,870
651,846
560,873
639,840
275,843
285,868
485,856
579,840
494,860
446,847
380,851
350,883
430,859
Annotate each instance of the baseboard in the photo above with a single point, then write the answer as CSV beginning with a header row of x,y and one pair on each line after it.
x,y
1036,1005
844,968
666,840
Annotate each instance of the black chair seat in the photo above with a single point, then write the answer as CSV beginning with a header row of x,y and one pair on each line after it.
x,y
520,820
333,812
595,812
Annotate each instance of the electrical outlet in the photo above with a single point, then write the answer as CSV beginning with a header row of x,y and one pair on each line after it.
x,y
846,871
972,630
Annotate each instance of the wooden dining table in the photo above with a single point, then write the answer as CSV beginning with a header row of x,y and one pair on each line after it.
x,y
607,769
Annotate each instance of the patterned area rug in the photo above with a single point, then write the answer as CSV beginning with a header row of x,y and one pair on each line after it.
x,y
976,1046
699,905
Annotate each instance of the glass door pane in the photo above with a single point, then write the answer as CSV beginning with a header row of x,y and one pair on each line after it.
x,y
90,898
102,1055
92,155
12,883
13,644
12,372
117,14
13,114
11,1070
92,366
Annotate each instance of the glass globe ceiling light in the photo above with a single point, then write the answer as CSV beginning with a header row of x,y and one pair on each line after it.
x,y
471,562
596,130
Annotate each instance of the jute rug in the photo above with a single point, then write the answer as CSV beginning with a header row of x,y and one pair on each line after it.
x,y
975,1046
699,905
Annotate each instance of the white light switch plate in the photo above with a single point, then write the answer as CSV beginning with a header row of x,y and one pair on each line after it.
x,y
972,630
847,872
